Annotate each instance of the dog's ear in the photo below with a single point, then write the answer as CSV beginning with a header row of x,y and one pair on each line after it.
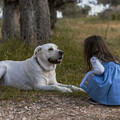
x,y
37,50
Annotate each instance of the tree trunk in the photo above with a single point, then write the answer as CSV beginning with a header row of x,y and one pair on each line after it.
x,y
11,17
53,14
35,21
53,6
30,19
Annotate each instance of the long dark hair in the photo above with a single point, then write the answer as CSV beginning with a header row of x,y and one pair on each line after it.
x,y
96,46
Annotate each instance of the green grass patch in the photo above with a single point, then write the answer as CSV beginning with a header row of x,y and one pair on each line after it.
x,y
16,50
15,94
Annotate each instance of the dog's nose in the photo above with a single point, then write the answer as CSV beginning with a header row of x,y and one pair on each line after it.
x,y
61,52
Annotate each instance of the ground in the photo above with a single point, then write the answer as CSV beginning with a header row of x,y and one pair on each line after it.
x,y
56,107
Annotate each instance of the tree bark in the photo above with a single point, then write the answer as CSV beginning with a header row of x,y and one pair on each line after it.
x,y
32,20
54,5
53,14
35,21
11,15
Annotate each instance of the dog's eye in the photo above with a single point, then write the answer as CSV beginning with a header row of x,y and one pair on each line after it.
x,y
50,49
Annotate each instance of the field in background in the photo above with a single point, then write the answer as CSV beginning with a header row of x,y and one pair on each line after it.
x,y
68,35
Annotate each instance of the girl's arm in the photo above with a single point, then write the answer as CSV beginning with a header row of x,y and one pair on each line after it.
x,y
98,68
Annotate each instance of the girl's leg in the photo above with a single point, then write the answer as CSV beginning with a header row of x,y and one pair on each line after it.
x,y
86,76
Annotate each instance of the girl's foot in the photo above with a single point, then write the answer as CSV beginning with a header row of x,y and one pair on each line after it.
x,y
91,101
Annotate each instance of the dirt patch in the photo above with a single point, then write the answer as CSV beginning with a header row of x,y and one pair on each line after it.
x,y
57,108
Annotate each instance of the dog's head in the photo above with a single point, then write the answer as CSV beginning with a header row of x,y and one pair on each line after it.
x,y
49,53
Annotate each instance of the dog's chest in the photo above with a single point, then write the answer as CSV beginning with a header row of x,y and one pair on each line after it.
x,y
49,77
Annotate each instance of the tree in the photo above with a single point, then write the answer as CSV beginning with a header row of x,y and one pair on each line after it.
x,y
54,5
112,13
30,20
1,3
11,16
110,2
35,20
73,10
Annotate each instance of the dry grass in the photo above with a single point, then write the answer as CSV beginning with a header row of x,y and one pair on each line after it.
x,y
79,29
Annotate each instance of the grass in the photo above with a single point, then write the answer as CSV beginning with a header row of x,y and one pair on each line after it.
x,y
68,35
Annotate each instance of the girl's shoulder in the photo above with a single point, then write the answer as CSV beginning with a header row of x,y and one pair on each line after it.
x,y
95,59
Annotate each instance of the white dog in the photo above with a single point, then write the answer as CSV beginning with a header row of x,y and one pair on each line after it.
x,y
37,72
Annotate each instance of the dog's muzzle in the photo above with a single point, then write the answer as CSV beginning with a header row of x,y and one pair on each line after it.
x,y
57,61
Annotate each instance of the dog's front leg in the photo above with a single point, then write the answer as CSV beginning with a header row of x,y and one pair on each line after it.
x,y
71,87
51,87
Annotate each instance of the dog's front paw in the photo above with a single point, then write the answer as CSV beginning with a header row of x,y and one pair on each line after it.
x,y
76,88
79,89
66,90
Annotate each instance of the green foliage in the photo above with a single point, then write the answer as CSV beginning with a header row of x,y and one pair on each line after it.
x,y
73,10
111,14
110,2
115,16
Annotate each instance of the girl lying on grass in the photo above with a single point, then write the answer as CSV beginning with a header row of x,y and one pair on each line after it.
x,y
102,84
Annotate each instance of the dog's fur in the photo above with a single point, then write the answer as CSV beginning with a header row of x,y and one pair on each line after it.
x,y
37,72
